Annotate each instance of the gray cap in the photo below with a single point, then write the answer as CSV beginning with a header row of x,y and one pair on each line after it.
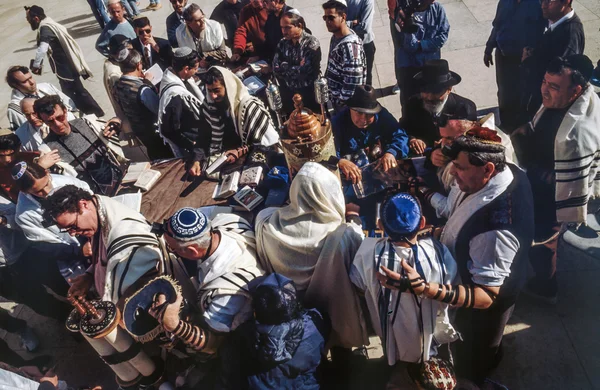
x,y
181,52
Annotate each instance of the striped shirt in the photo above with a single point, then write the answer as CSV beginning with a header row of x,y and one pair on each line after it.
x,y
346,67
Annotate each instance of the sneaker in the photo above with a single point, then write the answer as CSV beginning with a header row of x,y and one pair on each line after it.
x,y
29,339
540,293
157,6
151,6
396,89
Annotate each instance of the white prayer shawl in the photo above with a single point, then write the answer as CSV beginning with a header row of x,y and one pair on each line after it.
x,y
12,381
211,38
404,340
230,268
290,239
576,155
461,207
69,45
30,214
253,122
14,113
111,74
132,250
31,137
171,85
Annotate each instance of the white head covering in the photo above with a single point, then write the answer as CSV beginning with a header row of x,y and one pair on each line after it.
x,y
289,239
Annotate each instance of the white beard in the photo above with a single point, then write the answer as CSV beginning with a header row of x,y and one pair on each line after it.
x,y
435,109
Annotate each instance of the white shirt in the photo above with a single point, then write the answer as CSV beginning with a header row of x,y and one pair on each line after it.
x,y
552,26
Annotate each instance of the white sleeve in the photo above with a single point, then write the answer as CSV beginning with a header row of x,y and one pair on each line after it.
x,y
492,254
31,223
222,311
440,203
40,53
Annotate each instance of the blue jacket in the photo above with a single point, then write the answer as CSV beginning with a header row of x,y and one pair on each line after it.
x,y
516,25
349,139
424,45
173,22
284,356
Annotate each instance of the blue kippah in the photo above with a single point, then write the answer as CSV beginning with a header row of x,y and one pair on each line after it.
x,y
187,224
401,216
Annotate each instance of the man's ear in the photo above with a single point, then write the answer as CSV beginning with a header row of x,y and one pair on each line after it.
x,y
489,168
422,223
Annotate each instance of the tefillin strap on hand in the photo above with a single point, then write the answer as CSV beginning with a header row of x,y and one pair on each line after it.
x,y
405,284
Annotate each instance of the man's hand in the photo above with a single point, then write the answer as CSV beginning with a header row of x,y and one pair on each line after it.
x,y
49,159
195,170
235,57
488,60
438,159
253,59
387,162
527,52
153,43
112,127
86,249
80,285
37,71
350,170
168,316
51,377
417,146
411,274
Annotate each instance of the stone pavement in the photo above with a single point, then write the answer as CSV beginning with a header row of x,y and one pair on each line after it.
x,y
545,347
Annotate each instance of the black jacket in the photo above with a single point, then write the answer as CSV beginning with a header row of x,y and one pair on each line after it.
x,y
419,123
173,22
164,56
228,15
566,39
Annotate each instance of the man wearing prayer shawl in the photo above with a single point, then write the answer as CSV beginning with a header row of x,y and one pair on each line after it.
x,y
310,242
223,253
489,233
411,328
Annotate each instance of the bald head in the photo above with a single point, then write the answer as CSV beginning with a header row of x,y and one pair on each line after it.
x,y
29,112
115,9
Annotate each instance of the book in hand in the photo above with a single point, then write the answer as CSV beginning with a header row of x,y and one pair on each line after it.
x,y
248,198
147,179
134,171
228,186
154,74
251,176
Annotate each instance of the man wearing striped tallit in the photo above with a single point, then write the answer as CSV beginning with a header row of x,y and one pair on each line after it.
x,y
560,151
235,117
220,255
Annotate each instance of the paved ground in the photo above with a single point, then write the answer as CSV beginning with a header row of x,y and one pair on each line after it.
x,y
546,347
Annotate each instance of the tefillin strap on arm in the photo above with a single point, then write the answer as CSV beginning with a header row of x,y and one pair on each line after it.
x,y
192,335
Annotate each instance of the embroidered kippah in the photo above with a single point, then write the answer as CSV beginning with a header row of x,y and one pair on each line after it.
x,y
401,216
188,224
19,170
181,52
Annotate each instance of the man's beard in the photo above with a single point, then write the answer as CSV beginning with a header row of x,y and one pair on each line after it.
x,y
435,108
34,26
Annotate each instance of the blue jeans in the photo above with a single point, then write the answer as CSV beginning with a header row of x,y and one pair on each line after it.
x,y
131,7
99,9
154,1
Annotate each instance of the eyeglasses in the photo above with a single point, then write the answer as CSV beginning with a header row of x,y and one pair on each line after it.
x,y
145,31
72,228
329,18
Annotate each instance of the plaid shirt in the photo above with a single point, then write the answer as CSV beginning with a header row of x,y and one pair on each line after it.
x,y
346,67
303,61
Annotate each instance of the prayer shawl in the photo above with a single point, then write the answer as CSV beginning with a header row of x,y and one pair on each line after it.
x,y
30,219
171,85
252,121
16,117
31,137
131,249
410,328
229,275
576,155
309,242
461,207
211,38
69,45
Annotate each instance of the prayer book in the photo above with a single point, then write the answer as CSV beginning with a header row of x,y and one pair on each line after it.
x,y
134,171
251,176
147,179
228,186
248,198
254,84
154,74
133,201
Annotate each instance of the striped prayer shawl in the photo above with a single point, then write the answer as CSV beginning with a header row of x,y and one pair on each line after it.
x,y
576,158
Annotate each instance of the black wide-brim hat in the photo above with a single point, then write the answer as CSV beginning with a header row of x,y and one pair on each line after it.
x,y
139,323
436,73
364,100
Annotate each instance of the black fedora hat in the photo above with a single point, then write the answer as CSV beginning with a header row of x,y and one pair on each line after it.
x,y
364,100
436,73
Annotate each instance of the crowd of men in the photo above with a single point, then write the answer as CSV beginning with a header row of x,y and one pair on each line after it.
x,y
433,267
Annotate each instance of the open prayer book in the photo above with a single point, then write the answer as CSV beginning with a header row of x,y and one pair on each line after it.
x,y
154,74
134,171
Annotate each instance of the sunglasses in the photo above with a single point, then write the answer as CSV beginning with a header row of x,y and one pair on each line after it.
x,y
145,32
329,18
